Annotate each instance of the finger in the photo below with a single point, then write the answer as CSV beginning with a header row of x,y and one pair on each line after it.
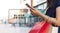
x,y
33,14
31,10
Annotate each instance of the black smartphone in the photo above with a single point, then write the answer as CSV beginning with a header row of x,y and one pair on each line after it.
x,y
29,6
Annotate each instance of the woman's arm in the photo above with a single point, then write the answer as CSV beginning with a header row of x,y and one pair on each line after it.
x,y
58,15
55,21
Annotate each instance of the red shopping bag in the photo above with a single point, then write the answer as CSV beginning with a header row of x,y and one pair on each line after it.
x,y
40,27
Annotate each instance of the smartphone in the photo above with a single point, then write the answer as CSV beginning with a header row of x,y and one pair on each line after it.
x,y
29,6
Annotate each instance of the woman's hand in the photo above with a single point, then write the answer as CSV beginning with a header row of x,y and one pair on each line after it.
x,y
35,12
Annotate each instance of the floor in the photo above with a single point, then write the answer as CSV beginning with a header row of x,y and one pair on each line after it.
x,y
8,28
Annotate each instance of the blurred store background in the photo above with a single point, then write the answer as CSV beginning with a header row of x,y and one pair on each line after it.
x,y
15,16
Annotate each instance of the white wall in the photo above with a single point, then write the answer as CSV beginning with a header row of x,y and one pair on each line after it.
x,y
5,5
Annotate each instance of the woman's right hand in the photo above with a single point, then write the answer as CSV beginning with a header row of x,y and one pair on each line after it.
x,y
34,11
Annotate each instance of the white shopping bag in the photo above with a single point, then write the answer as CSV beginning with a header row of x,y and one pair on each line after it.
x,y
54,29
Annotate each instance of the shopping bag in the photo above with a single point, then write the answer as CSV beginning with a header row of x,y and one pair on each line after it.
x,y
40,27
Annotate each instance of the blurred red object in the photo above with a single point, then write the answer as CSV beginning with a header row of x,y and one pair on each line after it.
x,y
40,27
11,20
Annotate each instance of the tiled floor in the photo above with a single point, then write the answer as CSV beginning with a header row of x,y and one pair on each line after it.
x,y
8,28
